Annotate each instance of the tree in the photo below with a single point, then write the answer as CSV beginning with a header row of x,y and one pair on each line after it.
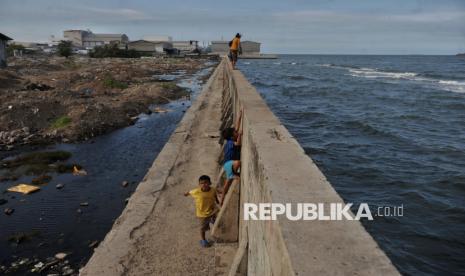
x,y
64,48
113,50
12,47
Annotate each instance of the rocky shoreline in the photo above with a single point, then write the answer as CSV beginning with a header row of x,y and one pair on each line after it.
x,y
45,100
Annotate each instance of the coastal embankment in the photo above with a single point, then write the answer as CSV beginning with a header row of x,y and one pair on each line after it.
x,y
157,233
44,99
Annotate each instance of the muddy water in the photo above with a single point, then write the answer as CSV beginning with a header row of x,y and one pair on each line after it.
x,y
55,218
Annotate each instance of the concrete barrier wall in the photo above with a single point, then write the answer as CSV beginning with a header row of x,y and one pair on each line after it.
x,y
276,169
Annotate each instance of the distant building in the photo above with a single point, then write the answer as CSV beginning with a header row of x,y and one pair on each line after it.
x,y
3,42
251,48
150,47
87,39
158,38
220,47
186,46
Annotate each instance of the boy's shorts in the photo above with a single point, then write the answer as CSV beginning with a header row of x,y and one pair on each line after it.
x,y
205,222
233,55
228,169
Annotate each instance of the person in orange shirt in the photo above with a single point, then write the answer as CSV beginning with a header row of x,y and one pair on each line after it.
x,y
235,49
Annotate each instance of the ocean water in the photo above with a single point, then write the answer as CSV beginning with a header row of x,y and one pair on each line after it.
x,y
388,131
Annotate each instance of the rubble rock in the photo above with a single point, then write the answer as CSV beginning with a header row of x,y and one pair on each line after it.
x,y
8,211
61,256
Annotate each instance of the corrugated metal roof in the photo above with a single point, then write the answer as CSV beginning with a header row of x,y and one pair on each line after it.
x,y
4,37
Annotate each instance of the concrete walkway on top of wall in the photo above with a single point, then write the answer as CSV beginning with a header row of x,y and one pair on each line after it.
x,y
158,233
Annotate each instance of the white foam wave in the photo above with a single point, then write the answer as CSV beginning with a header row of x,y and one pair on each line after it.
x,y
452,85
448,85
452,82
373,73
370,73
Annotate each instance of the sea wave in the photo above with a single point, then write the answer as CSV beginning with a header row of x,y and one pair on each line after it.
x,y
374,73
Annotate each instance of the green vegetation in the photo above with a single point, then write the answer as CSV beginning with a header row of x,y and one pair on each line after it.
x,y
113,50
71,64
37,163
65,48
110,82
23,236
34,158
61,122
12,47
169,85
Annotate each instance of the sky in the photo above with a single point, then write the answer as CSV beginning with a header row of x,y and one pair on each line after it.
x,y
294,26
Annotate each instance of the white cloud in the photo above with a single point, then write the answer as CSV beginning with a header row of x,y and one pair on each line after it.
x,y
125,14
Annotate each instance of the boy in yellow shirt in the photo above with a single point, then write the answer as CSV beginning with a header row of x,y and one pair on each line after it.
x,y
205,206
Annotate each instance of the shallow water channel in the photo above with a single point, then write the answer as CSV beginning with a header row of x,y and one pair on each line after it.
x,y
75,218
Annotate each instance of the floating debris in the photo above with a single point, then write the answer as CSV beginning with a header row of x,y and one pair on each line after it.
x,y
84,204
160,110
43,179
125,184
61,255
59,186
93,244
23,188
77,171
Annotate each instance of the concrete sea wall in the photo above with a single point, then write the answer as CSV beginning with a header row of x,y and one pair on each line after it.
x,y
275,169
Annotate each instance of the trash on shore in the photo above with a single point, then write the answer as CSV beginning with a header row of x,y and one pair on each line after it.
x,y
93,244
23,188
160,110
77,171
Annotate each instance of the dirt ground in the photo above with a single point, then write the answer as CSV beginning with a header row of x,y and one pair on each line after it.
x,y
53,99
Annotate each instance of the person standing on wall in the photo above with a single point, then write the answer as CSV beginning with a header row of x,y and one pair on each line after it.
x,y
235,49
